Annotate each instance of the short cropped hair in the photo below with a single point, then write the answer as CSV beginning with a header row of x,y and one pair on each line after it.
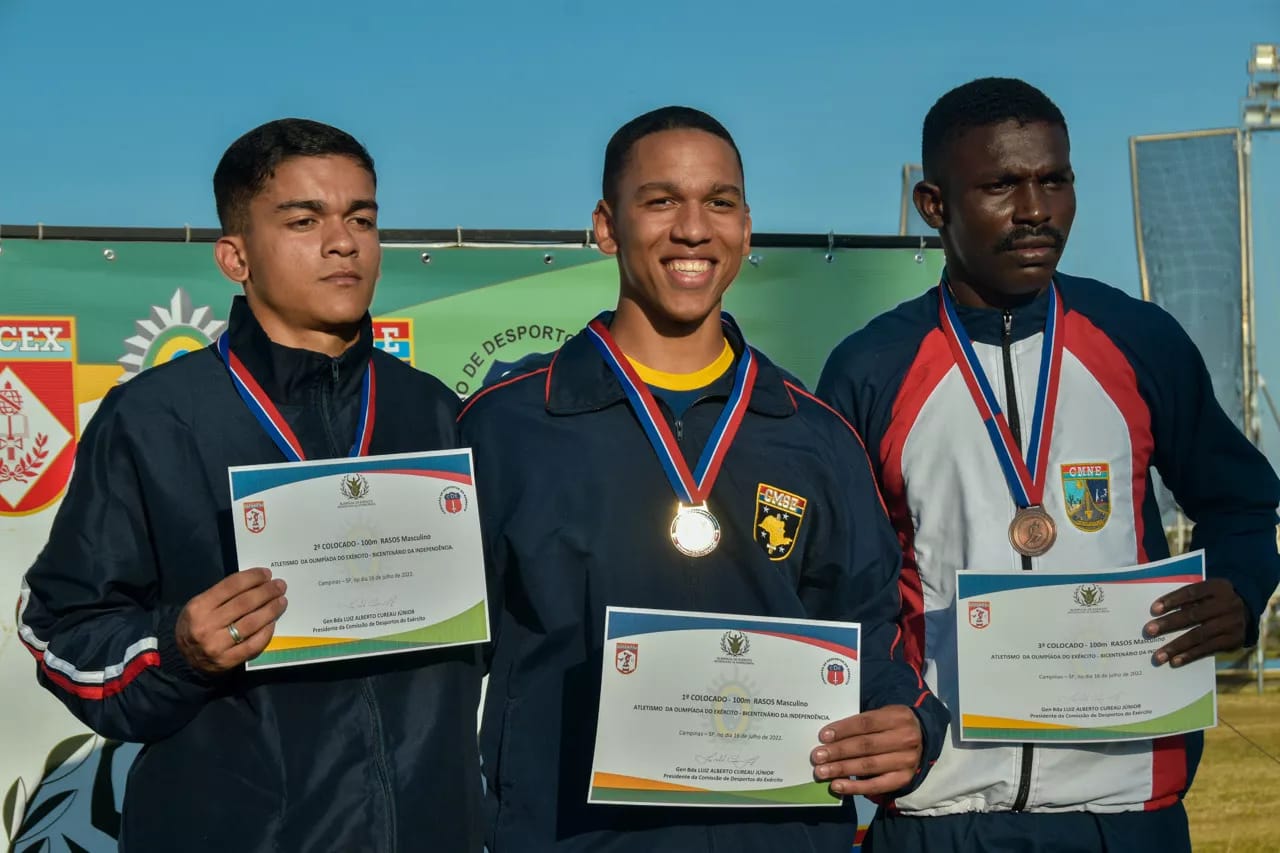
x,y
252,160
981,103
655,121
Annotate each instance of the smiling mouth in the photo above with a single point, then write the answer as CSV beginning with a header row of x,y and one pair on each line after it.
x,y
690,266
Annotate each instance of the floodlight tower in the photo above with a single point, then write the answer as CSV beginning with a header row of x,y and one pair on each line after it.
x,y
1259,111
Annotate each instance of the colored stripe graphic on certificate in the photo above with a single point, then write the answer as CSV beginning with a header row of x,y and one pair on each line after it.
x,y
634,789
1197,715
459,629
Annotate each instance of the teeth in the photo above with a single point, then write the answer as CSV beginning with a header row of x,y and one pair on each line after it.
x,y
691,266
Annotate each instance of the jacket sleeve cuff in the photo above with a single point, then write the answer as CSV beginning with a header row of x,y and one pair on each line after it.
x,y
1252,626
930,742
173,662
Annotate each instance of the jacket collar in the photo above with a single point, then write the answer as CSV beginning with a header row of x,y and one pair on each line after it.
x,y
581,380
287,374
986,325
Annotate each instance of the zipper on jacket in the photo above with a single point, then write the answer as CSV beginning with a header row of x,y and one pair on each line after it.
x,y
328,395
380,762
679,425
1015,427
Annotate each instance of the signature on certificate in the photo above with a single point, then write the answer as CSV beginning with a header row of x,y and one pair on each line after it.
x,y
732,759
362,604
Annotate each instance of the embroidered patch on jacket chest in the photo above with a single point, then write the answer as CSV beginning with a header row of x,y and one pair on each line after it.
x,y
1086,490
778,517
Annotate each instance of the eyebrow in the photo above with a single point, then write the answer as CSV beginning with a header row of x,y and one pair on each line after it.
x,y
318,206
668,187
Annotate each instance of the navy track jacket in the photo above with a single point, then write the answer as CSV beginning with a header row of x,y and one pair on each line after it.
x,y
367,755
1134,396
576,510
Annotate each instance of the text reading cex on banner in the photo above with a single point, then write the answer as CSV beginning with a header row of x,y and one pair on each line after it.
x,y
37,411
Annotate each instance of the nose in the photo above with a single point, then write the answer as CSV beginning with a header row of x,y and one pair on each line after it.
x,y
690,227
1031,205
339,239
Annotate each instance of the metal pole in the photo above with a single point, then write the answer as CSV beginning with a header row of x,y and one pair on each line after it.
x,y
1253,425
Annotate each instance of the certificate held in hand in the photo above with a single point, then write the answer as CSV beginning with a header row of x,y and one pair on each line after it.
x,y
710,709
382,554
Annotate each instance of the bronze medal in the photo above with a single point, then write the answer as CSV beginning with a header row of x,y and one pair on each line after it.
x,y
1032,531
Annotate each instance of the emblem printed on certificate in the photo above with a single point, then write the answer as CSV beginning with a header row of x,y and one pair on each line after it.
x,y
1061,656
709,709
382,554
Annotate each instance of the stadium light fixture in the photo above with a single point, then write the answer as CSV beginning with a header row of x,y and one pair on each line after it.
x,y
1255,115
1266,59
1265,90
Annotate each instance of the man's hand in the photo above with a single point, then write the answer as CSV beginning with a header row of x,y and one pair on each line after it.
x,y
882,748
1219,614
250,601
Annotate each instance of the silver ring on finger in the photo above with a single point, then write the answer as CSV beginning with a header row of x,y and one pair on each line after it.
x,y
235,634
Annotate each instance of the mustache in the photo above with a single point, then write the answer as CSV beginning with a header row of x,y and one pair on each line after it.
x,y
1026,232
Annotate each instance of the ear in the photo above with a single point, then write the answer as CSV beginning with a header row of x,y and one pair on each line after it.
x,y
746,231
928,201
602,222
231,257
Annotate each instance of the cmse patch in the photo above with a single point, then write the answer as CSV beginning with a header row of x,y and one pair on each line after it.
x,y
778,517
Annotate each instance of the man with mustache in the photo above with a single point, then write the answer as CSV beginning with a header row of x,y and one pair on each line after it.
x,y
1132,395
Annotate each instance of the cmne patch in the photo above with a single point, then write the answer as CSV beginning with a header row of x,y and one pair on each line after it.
x,y
778,517
1086,489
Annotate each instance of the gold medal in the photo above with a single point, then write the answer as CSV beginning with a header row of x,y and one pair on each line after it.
x,y
1032,531
695,531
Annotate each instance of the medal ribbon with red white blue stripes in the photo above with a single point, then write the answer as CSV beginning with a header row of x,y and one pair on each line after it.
x,y
1027,489
273,422
692,487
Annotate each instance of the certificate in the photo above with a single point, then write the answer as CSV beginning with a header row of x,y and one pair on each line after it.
x,y
710,709
1062,657
382,554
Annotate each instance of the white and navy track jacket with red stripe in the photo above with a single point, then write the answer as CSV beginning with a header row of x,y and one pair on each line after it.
x,y
1134,396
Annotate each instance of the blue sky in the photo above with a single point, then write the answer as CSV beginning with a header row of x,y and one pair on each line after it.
x,y
496,114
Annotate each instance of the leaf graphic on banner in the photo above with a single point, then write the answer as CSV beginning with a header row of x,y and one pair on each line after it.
x,y
14,802
51,808
59,763
72,847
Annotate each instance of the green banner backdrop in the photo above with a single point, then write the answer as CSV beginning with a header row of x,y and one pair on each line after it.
x,y
77,317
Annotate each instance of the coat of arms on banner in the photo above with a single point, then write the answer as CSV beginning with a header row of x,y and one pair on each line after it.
x,y
1086,488
37,411
778,517
394,337
979,614
626,657
167,333
255,516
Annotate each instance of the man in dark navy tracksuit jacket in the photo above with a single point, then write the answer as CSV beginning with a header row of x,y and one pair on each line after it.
x,y
135,613
578,516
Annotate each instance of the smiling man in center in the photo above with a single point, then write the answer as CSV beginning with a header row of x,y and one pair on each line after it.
x,y
584,509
